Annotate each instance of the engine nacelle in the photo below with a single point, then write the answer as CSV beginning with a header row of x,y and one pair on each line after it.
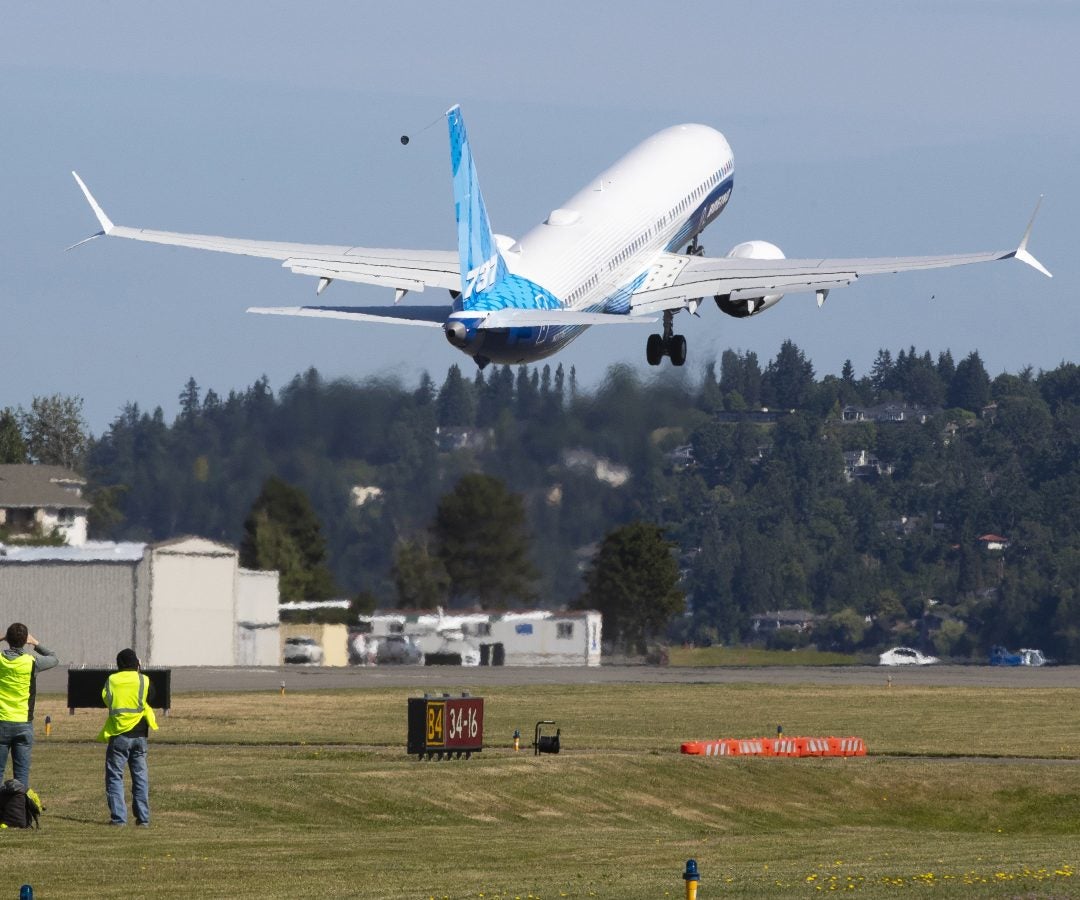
x,y
738,303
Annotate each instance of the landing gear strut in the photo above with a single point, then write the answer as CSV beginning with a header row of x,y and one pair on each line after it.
x,y
694,248
668,344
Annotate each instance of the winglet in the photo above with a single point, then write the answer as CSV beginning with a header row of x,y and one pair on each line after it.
x,y
106,223
1021,252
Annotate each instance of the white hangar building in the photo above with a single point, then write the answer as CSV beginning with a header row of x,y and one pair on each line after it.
x,y
183,602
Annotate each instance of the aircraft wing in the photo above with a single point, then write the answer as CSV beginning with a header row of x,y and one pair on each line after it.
x,y
430,316
676,281
403,270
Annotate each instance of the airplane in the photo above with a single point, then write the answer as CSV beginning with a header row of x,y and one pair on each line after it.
x,y
610,255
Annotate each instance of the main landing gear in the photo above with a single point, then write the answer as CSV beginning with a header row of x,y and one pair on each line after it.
x,y
666,344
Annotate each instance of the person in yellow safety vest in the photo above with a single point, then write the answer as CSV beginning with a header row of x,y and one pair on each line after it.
x,y
19,665
127,696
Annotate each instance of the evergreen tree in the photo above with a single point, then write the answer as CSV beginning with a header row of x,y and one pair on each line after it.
x,y
970,386
881,373
282,532
481,537
12,446
455,403
788,379
421,579
634,581
189,402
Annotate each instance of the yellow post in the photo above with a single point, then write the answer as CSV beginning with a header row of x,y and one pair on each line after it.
x,y
282,688
691,877
48,725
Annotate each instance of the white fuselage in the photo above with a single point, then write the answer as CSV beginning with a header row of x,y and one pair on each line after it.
x,y
598,247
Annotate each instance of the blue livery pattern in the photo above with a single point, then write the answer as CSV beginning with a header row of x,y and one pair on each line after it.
x,y
481,264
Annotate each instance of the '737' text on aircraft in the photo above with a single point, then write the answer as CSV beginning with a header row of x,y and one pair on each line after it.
x,y
610,255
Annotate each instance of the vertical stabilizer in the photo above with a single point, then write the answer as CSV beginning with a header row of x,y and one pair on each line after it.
x,y
481,264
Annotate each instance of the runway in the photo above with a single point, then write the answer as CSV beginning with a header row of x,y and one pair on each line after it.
x,y
452,678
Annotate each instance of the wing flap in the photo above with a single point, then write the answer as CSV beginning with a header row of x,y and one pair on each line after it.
x,y
527,318
712,276
390,270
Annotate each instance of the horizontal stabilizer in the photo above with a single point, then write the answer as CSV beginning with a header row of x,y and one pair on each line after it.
x,y
429,316
527,318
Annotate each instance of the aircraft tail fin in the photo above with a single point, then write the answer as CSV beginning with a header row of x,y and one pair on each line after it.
x,y
482,266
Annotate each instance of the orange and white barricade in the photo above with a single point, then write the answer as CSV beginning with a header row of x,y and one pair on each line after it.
x,y
847,746
781,746
813,746
724,747
755,747
786,746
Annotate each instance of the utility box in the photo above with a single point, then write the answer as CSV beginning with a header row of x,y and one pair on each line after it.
x,y
84,688
445,726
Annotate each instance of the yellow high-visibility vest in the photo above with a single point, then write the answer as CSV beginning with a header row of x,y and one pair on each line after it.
x,y
15,677
125,697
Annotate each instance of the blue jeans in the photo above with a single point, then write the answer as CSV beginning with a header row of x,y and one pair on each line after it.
x,y
18,737
130,752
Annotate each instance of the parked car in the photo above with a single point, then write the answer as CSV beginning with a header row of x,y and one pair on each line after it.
x,y
1026,656
303,650
905,656
397,648
999,656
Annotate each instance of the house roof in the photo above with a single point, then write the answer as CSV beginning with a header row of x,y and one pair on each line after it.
x,y
40,487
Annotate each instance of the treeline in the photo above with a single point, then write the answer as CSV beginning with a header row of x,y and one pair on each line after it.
x,y
766,511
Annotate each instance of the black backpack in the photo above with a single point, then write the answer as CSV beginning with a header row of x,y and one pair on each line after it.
x,y
18,807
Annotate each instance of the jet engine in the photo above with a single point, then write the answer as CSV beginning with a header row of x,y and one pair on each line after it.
x,y
738,303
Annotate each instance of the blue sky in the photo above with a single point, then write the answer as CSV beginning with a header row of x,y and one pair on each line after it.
x,y
858,129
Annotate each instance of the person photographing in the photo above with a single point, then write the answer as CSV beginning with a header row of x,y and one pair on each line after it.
x,y
127,696
19,665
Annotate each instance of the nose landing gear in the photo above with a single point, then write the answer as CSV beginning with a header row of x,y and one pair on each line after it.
x,y
668,344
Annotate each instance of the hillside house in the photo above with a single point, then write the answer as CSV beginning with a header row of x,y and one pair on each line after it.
x,y
35,500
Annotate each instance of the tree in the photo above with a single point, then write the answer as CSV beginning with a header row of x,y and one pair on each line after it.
x,y
12,445
481,538
455,401
282,532
421,579
788,379
634,581
189,401
970,386
55,431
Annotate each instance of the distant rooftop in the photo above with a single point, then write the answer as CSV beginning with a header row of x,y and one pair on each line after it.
x,y
91,551
41,487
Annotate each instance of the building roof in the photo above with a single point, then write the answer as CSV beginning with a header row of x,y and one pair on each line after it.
x,y
91,551
189,545
40,487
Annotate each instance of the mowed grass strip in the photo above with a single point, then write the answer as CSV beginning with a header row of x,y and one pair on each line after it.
x,y
749,656
313,795
897,720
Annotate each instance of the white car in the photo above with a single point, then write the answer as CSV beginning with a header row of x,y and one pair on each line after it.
x,y
303,650
905,656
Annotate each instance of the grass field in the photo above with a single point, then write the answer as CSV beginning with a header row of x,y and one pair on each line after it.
x,y
750,656
968,793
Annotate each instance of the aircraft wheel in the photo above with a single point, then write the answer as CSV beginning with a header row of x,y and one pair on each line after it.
x,y
654,349
677,349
